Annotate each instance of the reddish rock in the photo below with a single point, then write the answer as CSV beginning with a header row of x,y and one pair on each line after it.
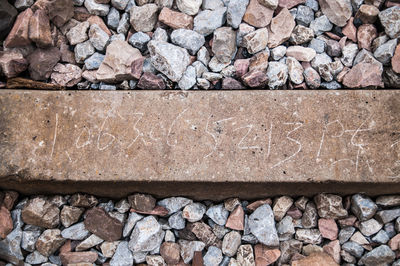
x,y
67,247
366,33
259,61
364,75
236,219
9,199
316,259
333,249
281,28
197,259
253,206
39,29
99,22
229,83
337,11
12,63
78,257
367,14
66,75
394,242
19,34
158,211
175,20
346,222
294,212
396,60
170,252
142,202
151,81
42,62
204,233
241,67
83,200
6,223
49,242
59,11
343,73
290,3
103,225
265,256
81,13
328,228
67,55
258,15
332,35
255,79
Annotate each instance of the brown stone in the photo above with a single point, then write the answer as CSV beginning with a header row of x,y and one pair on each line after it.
x,y
23,83
241,67
337,11
70,215
301,53
170,252
66,75
6,223
364,75
316,259
49,242
146,126
294,212
346,222
175,20
151,81
19,34
142,202
330,206
204,233
81,13
236,219
68,258
59,11
366,33
333,249
255,79
100,223
290,3
259,61
229,83
99,22
9,199
350,30
396,60
367,13
265,256
394,242
40,212
117,65
39,29
258,15
83,200
328,228
253,206
281,28
197,259
157,211
42,62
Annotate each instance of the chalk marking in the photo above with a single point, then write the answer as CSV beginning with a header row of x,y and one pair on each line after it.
x,y
55,137
87,142
214,136
101,133
250,127
298,125
172,124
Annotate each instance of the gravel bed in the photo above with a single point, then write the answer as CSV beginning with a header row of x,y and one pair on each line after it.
x,y
81,229
201,44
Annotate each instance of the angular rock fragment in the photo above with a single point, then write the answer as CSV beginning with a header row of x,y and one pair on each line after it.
x,y
99,222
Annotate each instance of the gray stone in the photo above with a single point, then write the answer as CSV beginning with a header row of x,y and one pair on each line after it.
x,y
235,12
379,256
83,51
119,37
10,249
278,52
345,234
188,39
139,40
29,239
188,248
189,7
169,236
231,243
310,215
23,4
388,200
210,76
321,25
390,19
108,248
370,227
363,207
309,236
169,59
387,216
209,20
318,45
304,15
122,256
295,70
256,41
262,225
243,30
218,214
144,18
139,257
113,18
203,83
176,221
217,66
119,4
353,248
224,44
203,55
123,25
188,79
107,87
301,34
160,35
146,236
89,242
95,8
194,212
133,218
285,228
212,4
213,256
385,52
200,68
94,61
313,4
288,249
277,74
75,232
78,33
332,85
35,258
349,52
98,37
381,237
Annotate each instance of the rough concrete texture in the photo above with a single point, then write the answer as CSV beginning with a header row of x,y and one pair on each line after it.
x,y
192,143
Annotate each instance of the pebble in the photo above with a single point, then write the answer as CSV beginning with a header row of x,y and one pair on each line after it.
x,y
285,228
75,232
235,12
146,236
378,256
213,256
78,34
301,34
175,20
188,79
345,234
98,37
35,258
231,243
349,52
49,242
304,15
277,74
281,28
258,15
189,7
301,53
309,236
256,41
108,248
224,44
206,21
365,34
218,214
330,206
188,249
321,25
95,8
83,51
174,204
40,212
99,222
386,216
328,228
370,227
170,252
10,247
353,248
139,40
143,18
389,18
94,61
67,75
262,225
89,242
385,52
281,206
122,256
188,39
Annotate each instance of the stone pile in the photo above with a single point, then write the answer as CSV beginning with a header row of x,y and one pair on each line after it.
x,y
202,44
81,229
